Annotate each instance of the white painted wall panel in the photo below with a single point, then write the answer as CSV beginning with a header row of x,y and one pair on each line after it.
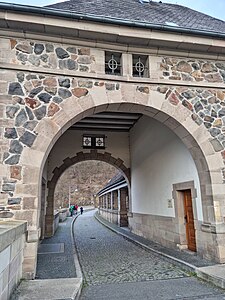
x,y
158,160
117,143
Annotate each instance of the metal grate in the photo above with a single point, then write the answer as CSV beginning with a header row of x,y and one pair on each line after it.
x,y
140,66
113,63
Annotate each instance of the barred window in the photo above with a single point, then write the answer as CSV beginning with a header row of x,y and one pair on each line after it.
x,y
93,141
113,63
140,66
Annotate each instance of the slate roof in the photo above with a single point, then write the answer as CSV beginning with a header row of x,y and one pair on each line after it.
x,y
117,179
152,12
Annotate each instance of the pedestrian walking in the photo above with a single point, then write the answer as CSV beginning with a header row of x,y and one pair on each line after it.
x,y
76,208
81,210
71,210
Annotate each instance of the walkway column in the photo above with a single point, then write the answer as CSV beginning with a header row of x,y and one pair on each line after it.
x,y
49,217
123,219
43,209
111,198
105,201
115,200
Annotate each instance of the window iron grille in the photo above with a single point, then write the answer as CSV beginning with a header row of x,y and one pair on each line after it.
x,y
93,142
113,63
140,64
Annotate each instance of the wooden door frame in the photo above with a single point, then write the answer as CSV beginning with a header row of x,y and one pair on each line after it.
x,y
178,197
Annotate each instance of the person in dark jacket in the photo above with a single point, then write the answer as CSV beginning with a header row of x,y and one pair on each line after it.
x,y
81,210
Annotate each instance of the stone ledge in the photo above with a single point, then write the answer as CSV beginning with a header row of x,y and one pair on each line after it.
x,y
109,78
213,228
214,274
11,231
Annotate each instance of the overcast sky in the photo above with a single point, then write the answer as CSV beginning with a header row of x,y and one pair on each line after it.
x,y
214,8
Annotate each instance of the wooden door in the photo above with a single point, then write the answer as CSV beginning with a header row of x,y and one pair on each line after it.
x,y
189,220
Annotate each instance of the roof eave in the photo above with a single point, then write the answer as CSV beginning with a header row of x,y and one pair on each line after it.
x,y
107,20
113,187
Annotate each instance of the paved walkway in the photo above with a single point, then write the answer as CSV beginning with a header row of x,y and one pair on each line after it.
x,y
115,268
55,254
57,277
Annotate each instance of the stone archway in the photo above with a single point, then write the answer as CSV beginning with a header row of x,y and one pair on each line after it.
x,y
28,144
68,162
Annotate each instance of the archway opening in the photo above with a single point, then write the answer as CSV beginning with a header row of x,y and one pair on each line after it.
x,y
80,183
121,144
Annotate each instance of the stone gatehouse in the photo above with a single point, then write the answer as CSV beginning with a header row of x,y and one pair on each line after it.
x,y
150,95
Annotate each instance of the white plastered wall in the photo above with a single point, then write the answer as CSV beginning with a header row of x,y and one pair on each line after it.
x,y
158,160
70,143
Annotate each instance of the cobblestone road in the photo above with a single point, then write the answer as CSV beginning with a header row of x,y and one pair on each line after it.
x,y
108,258
115,268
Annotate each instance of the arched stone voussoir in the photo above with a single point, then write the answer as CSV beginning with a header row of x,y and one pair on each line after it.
x,y
67,161
47,127
156,99
215,162
128,93
91,155
32,157
61,118
98,94
72,107
42,143
86,102
142,95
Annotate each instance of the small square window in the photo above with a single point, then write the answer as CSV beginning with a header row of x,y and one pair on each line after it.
x,y
86,141
140,66
93,142
99,142
113,63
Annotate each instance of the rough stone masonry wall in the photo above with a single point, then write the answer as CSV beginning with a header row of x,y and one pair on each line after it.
x,y
192,70
33,95
49,56
29,97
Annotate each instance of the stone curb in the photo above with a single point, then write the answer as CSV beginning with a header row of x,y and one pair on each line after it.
x,y
76,258
76,261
